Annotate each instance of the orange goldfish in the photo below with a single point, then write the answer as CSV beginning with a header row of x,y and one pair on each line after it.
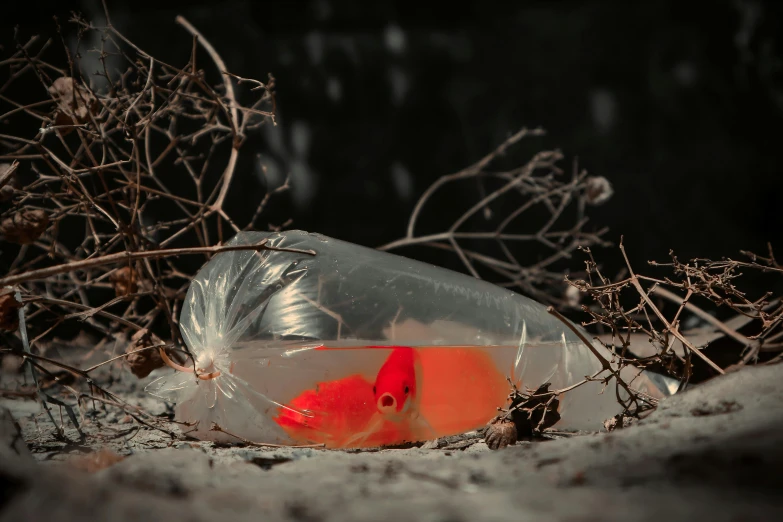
x,y
418,394
395,386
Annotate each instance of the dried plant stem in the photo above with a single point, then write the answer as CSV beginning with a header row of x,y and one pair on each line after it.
x,y
216,427
228,173
86,195
720,325
130,256
671,328
28,353
607,366
470,171
537,188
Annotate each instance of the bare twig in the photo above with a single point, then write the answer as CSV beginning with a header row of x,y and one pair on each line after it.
x,y
534,187
216,427
120,182
132,256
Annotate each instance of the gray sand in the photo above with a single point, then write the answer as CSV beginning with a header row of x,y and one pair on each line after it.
x,y
712,453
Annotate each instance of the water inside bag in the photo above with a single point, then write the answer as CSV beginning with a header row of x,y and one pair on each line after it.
x,y
352,347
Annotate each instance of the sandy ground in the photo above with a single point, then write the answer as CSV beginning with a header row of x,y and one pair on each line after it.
x,y
712,453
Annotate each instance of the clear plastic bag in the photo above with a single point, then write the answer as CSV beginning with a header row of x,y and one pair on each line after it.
x,y
353,347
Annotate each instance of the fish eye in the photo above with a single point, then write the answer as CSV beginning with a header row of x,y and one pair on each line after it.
x,y
406,390
373,390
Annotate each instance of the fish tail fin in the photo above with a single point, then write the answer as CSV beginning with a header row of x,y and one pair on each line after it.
x,y
359,439
427,431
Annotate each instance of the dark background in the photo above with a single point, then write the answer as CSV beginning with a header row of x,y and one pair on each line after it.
x,y
679,104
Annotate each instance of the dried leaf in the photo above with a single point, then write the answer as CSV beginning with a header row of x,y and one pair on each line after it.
x,y
500,433
619,421
535,412
7,192
74,102
9,315
572,296
598,190
24,226
96,461
62,377
142,363
125,281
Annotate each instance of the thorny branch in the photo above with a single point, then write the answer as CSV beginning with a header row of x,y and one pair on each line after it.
x,y
491,237
128,169
640,331
533,203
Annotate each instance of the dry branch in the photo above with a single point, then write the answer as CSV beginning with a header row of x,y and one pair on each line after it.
x,y
128,170
500,223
